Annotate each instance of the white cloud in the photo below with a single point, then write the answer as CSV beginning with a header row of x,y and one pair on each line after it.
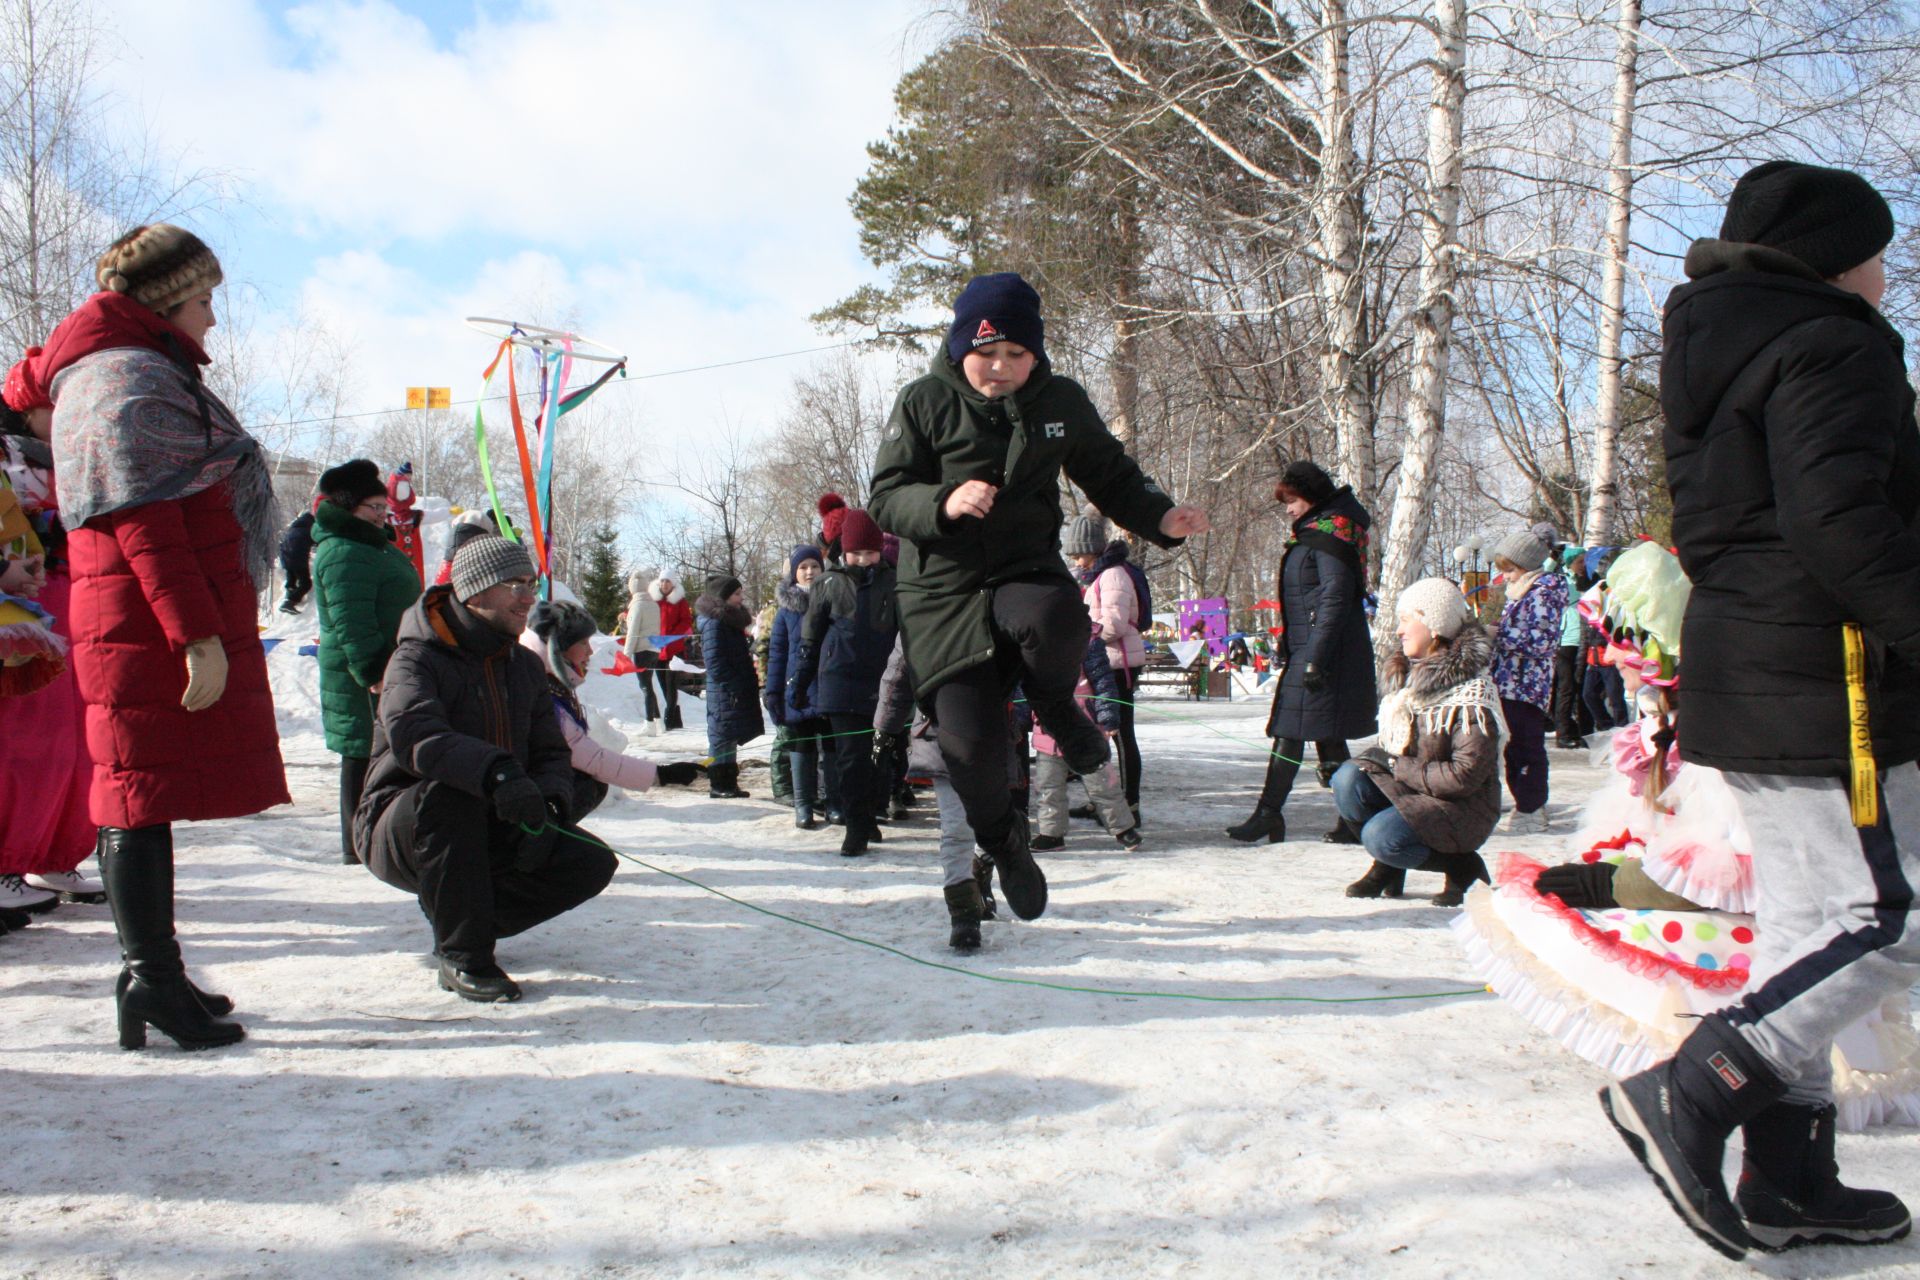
x,y
670,177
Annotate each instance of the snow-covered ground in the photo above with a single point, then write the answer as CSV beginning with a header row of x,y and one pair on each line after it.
x,y
691,1088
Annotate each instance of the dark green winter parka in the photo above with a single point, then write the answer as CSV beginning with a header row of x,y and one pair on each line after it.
x,y
362,587
944,433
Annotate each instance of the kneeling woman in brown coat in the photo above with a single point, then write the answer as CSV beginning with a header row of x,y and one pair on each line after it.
x,y
1428,796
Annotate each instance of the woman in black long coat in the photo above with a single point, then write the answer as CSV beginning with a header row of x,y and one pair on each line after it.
x,y
1326,692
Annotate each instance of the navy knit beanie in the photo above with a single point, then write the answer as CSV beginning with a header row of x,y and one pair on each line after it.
x,y
1830,219
799,556
996,308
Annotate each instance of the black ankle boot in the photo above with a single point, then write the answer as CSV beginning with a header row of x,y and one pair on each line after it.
x,y
723,782
965,911
1381,881
1020,876
1790,1189
1676,1117
1463,870
1264,824
136,866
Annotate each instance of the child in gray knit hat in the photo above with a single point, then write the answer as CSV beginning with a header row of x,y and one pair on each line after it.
x,y
1524,646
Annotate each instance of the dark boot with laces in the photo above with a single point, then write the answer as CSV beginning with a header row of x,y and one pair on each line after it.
x,y
1790,1190
1463,871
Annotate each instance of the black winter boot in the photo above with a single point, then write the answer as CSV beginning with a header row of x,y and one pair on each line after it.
x,y
1676,1118
1790,1191
1264,824
1020,876
965,910
1381,881
136,866
983,876
806,790
723,782
1462,869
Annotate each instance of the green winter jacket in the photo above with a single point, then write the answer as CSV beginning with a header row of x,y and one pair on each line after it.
x,y
362,587
944,433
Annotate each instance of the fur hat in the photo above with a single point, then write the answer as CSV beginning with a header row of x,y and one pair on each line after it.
x,y
1304,479
487,560
158,266
997,308
1522,547
858,532
721,586
351,483
833,509
1438,603
560,625
1830,219
1086,535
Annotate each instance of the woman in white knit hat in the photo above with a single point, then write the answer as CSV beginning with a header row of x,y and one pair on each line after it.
x,y
1428,796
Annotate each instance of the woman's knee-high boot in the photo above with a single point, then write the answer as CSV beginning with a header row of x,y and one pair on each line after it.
x,y
136,864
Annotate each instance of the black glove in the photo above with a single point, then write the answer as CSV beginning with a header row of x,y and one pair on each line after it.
x,y
559,810
678,774
516,797
887,750
1313,678
1587,885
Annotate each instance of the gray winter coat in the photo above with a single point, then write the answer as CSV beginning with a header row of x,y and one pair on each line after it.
x,y
1447,786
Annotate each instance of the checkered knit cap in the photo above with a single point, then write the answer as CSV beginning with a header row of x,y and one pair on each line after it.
x,y
487,561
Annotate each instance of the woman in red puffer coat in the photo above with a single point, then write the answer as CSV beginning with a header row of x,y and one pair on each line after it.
x,y
172,532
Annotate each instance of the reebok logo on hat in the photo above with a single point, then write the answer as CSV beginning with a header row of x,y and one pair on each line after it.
x,y
986,333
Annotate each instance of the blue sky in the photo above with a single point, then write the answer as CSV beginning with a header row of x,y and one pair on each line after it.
x,y
672,178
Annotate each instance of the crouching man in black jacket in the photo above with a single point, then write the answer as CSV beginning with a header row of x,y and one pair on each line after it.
x,y
468,790
1795,469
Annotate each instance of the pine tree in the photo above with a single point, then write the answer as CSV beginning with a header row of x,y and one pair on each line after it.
x,y
603,588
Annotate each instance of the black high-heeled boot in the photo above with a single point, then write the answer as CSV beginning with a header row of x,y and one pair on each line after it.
x,y
1263,824
137,867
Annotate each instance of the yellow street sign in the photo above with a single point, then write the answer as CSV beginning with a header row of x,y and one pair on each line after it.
x,y
439,397
416,397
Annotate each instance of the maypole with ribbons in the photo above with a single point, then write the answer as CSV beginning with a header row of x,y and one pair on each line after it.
x,y
554,351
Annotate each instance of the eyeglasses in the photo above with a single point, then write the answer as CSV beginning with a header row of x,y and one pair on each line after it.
x,y
522,587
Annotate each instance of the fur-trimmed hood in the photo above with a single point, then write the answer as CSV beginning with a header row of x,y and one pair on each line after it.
x,y
737,616
679,591
1470,655
1440,693
793,596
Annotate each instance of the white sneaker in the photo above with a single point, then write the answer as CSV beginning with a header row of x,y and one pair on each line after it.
x,y
1522,824
70,884
15,892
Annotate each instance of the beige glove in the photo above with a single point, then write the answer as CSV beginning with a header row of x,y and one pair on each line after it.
x,y
206,674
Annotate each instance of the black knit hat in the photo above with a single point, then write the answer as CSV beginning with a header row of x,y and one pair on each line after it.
x,y
997,308
1830,219
721,586
560,625
1305,480
352,483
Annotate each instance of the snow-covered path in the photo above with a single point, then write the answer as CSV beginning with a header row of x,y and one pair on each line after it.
x,y
694,1089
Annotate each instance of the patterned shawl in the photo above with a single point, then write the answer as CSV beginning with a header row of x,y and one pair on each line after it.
x,y
132,426
1338,526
